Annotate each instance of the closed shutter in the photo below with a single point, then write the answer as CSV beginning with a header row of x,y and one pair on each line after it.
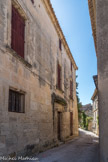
x,y
32,1
71,89
71,66
59,76
18,30
60,47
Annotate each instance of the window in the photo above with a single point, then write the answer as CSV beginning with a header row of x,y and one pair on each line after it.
x,y
71,89
59,77
32,1
71,66
17,32
60,45
16,101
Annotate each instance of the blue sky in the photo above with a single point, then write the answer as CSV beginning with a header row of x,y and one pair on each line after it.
x,y
73,16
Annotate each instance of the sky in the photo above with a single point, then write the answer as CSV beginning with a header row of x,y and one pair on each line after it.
x,y
73,17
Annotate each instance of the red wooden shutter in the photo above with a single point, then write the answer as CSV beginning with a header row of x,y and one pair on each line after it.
x,y
18,30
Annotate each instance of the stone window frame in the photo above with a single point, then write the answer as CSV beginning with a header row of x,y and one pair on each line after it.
x,y
21,11
22,95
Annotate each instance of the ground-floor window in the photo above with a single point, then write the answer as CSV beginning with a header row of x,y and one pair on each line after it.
x,y
16,101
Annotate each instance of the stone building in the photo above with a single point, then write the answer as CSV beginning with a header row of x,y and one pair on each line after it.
x,y
38,105
99,20
95,112
95,108
87,109
86,113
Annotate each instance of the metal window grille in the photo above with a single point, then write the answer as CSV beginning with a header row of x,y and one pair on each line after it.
x,y
16,102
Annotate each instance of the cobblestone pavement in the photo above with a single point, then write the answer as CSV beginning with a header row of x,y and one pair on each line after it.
x,y
82,149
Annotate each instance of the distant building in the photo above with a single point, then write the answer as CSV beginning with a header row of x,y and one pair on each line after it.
x,y
95,107
87,109
95,112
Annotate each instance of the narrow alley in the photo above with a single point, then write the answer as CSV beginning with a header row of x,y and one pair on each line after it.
x,y
82,149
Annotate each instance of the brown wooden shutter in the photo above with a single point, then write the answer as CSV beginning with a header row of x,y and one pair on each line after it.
x,y
32,1
71,66
59,76
71,89
60,44
71,123
18,30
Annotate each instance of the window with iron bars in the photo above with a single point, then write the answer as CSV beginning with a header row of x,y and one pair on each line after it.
x,y
16,102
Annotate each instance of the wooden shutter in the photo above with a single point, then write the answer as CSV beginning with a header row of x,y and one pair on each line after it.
x,y
32,1
59,76
60,44
71,66
18,30
71,123
71,89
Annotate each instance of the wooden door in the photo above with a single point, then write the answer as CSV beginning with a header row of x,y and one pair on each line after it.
x,y
59,126
71,123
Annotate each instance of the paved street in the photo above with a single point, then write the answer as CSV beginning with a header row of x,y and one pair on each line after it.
x,y
82,149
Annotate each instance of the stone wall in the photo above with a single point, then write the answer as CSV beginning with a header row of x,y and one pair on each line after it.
x,y
102,58
36,76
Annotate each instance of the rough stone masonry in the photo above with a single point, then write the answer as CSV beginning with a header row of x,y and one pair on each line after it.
x,y
31,83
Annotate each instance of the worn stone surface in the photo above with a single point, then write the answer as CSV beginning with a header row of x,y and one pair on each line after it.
x,y
99,14
82,149
36,75
102,59
95,113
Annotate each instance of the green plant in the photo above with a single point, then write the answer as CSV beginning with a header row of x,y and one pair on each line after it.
x,y
88,120
79,104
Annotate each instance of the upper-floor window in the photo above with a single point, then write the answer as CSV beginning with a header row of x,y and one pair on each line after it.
x,y
32,1
71,66
17,32
16,101
59,76
60,44
71,89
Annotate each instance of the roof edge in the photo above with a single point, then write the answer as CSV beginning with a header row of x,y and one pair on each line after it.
x,y
94,94
56,24
92,13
